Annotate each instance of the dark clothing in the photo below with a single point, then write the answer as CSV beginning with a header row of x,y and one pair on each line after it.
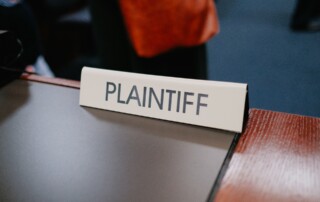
x,y
116,52
306,15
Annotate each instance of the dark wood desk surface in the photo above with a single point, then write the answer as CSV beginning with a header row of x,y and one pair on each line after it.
x,y
276,159
53,81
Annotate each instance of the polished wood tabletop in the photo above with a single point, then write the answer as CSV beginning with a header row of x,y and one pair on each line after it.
x,y
52,81
276,159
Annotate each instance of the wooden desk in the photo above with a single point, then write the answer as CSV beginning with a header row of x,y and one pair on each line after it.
x,y
52,149
277,158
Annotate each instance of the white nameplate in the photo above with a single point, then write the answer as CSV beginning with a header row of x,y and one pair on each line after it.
x,y
212,104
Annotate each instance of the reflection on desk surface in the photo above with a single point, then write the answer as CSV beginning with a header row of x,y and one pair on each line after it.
x,y
52,149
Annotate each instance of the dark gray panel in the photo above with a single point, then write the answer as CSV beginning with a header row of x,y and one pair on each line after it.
x,y
51,149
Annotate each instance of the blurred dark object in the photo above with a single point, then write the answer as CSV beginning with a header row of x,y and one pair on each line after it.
x,y
19,20
10,49
306,16
52,10
10,52
116,52
66,33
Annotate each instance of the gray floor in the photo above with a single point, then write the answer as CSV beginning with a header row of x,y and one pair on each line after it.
x,y
255,46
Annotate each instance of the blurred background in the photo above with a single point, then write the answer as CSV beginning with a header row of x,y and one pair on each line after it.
x,y
255,46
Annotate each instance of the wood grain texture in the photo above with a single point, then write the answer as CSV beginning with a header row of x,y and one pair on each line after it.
x,y
277,159
54,81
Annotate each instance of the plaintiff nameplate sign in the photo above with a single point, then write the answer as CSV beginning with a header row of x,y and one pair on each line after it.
x,y
212,104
